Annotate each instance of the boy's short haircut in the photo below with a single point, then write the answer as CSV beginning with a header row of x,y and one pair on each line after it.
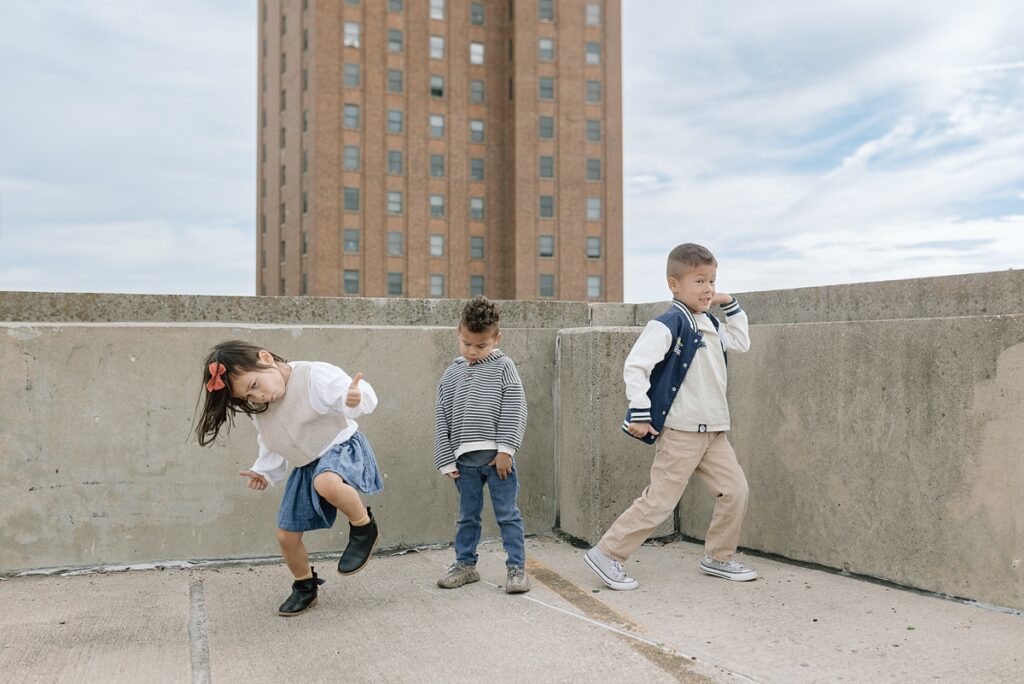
x,y
688,255
479,315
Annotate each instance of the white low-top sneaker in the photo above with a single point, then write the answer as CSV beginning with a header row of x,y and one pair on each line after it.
x,y
730,570
609,570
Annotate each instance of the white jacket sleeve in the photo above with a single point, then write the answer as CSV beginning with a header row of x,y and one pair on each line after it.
x,y
329,387
269,464
647,352
735,332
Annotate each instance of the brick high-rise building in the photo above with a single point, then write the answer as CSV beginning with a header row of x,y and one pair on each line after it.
x,y
440,148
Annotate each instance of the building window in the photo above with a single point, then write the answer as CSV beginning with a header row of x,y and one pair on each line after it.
x,y
593,53
476,247
436,285
395,162
305,243
476,14
437,165
282,289
284,99
476,285
476,53
351,199
437,125
394,202
283,175
305,120
547,285
394,40
350,158
593,91
476,169
305,79
263,187
547,166
284,62
476,91
351,38
546,88
351,116
395,81
305,160
593,130
547,206
394,243
546,128
436,47
351,242
593,208
546,49
263,258
593,287
593,248
546,245
593,14
394,121
395,284
546,10
437,245
593,169
436,206
351,75
351,280
437,9
476,130
476,208
263,225
282,250
305,202
395,5
284,213
437,86
305,40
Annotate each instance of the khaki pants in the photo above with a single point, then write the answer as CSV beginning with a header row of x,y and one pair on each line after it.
x,y
677,456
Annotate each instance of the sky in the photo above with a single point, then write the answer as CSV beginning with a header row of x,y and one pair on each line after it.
x,y
803,143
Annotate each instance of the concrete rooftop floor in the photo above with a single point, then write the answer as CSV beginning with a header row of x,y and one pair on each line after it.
x,y
217,623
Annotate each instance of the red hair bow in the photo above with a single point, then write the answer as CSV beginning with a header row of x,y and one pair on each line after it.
x,y
215,382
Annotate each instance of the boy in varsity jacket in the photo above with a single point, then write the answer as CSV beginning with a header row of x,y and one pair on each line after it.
x,y
480,421
675,379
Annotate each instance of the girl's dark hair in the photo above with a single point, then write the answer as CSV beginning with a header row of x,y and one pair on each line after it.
x,y
480,314
220,407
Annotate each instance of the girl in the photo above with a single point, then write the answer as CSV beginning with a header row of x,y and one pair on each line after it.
x,y
303,412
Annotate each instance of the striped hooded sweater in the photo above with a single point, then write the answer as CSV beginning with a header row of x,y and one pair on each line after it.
x,y
479,406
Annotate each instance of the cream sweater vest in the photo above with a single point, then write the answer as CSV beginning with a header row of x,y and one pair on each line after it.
x,y
293,428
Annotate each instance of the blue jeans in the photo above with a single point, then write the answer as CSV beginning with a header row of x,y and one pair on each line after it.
x,y
471,502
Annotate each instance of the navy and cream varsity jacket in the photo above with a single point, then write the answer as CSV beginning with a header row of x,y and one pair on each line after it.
x,y
658,363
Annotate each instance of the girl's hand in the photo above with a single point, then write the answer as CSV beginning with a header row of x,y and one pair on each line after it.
x,y
256,481
354,395
503,464
720,299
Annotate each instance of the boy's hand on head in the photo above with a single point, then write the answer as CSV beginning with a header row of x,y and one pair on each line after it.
x,y
641,430
720,299
503,464
354,395
256,481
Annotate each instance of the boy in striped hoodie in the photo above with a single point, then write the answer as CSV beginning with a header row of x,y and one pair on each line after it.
x,y
480,421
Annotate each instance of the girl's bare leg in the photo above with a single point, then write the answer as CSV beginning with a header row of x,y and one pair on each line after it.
x,y
294,552
343,496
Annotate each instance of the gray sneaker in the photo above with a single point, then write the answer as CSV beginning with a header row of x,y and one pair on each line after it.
x,y
517,581
730,570
609,570
457,575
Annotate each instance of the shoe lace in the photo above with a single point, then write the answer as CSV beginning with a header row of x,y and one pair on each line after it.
x,y
617,571
516,573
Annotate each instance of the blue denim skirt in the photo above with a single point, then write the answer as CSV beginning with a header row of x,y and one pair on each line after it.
x,y
302,509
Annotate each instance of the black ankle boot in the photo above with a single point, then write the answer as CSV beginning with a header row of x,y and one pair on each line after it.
x,y
361,542
303,596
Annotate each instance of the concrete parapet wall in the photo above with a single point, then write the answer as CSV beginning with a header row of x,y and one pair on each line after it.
x,y
98,466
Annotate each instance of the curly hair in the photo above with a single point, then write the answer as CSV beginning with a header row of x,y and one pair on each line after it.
x,y
480,314
688,255
220,407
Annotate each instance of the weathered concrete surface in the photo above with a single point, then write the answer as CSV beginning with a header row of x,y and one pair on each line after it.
x,y
391,623
62,307
606,314
894,449
98,466
601,470
976,294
